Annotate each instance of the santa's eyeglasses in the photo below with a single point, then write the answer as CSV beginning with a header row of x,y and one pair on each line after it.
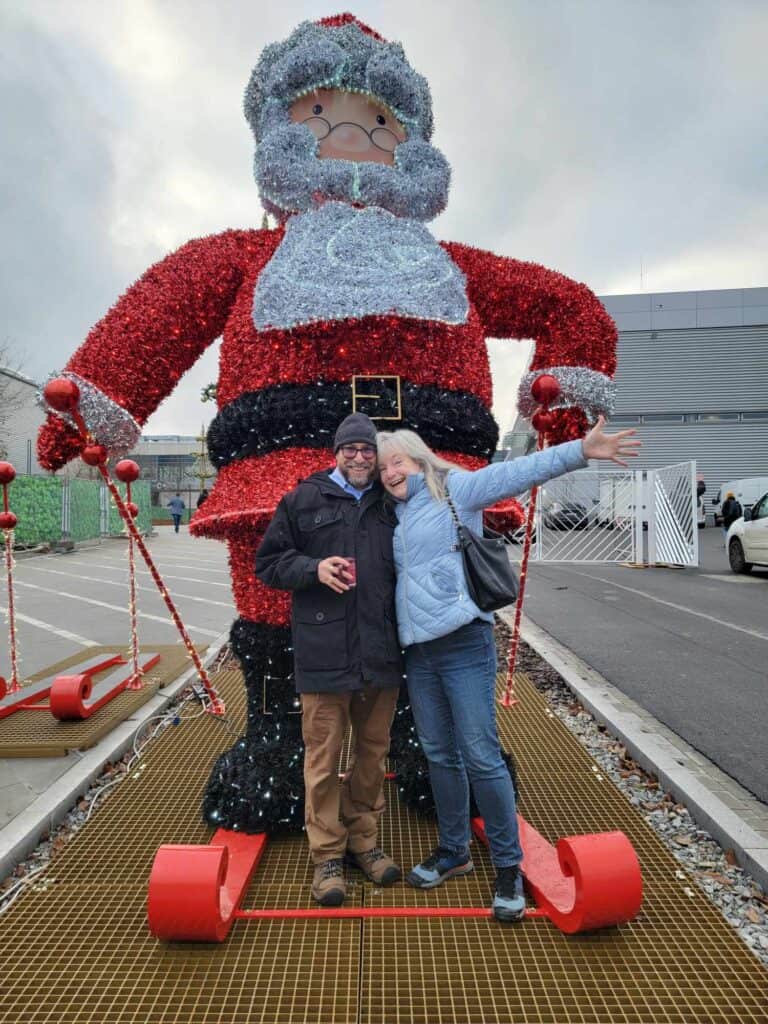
x,y
349,451
382,138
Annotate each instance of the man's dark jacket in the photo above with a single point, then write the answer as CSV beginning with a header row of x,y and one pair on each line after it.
x,y
340,641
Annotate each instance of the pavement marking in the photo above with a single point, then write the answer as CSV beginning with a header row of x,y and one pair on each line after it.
x,y
63,633
732,578
167,621
149,590
122,567
671,604
183,565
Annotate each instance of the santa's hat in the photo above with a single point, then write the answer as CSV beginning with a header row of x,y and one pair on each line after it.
x,y
338,52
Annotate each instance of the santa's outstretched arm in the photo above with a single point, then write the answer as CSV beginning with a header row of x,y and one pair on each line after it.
x,y
133,358
574,335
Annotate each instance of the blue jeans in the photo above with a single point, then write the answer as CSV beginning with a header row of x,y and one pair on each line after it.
x,y
451,684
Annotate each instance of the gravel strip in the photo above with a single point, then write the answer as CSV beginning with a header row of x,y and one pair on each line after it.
x,y
740,899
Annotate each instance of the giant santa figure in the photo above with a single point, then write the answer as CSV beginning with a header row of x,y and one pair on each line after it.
x,y
349,303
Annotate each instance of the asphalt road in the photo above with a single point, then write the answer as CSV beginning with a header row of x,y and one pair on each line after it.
x,y
68,602
689,645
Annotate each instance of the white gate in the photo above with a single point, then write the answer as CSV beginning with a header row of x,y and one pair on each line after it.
x,y
673,533
605,515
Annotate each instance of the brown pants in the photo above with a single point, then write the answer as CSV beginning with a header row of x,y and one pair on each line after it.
x,y
347,815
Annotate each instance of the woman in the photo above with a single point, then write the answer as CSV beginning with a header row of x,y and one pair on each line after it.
x,y
450,654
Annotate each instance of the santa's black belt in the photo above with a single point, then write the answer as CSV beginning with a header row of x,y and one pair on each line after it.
x,y
307,415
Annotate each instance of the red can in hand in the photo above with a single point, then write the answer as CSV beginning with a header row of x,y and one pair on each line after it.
x,y
350,572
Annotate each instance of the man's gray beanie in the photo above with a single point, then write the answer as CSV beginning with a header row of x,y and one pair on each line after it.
x,y
357,428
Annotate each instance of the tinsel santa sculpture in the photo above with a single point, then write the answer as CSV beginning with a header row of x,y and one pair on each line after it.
x,y
349,303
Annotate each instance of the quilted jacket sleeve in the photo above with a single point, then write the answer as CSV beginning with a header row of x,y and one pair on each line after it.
x,y
483,487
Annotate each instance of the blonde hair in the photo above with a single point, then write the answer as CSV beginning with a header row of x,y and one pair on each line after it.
x,y
434,468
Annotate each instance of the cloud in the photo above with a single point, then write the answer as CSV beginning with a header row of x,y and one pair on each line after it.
x,y
588,137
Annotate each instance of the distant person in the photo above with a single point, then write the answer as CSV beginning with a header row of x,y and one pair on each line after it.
x,y
731,511
177,506
202,496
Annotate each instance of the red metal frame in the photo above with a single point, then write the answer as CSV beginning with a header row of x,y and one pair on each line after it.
x,y
76,696
586,882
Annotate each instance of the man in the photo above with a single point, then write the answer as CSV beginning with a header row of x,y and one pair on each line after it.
x,y
177,506
731,511
346,652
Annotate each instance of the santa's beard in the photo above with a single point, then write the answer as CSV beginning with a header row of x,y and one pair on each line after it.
x,y
292,178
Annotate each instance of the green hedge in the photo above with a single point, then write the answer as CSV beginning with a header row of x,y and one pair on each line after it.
x,y
84,512
36,502
140,494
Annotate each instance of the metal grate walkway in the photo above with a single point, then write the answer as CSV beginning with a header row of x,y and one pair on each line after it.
x,y
76,949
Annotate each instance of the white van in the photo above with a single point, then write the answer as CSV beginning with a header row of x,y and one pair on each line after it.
x,y
746,492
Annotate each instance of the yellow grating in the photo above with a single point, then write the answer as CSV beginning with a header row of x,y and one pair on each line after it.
x,y
39,734
78,952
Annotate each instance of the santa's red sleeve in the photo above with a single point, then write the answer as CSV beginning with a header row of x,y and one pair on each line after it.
x,y
133,358
575,338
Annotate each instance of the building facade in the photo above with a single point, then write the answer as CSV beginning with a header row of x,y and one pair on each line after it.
x,y
692,376
20,419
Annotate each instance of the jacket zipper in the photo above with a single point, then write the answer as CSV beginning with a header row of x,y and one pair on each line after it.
x,y
405,575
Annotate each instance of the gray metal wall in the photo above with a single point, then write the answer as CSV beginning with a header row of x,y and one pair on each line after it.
x,y
684,375
694,370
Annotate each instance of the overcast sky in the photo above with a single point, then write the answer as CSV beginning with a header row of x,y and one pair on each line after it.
x,y
597,138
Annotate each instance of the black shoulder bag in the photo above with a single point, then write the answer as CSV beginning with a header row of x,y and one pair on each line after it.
x,y
491,580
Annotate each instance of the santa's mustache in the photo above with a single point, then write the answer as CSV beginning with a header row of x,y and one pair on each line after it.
x,y
291,177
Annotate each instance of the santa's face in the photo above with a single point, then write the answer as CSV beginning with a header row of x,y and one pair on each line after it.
x,y
349,126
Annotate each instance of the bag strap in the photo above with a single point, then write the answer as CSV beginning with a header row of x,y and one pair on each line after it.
x,y
454,513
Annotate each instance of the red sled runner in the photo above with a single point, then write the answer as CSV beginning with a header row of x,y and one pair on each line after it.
x,y
585,882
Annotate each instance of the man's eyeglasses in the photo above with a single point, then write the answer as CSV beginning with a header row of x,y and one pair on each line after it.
x,y
349,451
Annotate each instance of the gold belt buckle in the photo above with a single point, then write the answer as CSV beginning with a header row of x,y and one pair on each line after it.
x,y
380,397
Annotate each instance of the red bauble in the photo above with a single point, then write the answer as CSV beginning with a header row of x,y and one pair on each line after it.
x,y
7,520
94,454
541,420
7,473
545,389
133,508
61,394
127,470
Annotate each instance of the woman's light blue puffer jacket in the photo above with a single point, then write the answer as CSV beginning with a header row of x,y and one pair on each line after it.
x,y
431,597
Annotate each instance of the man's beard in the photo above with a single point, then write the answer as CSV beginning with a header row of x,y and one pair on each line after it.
x,y
358,476
291,178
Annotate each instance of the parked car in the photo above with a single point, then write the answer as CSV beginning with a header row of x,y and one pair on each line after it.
x,y
746,492
748,538
564,515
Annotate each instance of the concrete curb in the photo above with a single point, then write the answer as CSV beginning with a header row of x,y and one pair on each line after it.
x,y
22,834
730,813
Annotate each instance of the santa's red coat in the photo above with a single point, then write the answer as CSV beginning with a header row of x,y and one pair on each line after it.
x,y
158,329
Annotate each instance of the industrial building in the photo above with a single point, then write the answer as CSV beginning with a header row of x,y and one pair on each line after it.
x,y
692,376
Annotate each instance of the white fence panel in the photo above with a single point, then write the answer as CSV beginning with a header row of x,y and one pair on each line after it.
x,y
673,535
605,515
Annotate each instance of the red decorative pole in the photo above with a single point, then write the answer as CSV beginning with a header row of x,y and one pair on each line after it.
x,y
545,389
7,525
64,396
127,471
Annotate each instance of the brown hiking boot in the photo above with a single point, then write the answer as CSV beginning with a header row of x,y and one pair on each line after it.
x,y
376,866
328,885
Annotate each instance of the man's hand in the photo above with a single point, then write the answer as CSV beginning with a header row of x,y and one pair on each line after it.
x,y
330,570
599,445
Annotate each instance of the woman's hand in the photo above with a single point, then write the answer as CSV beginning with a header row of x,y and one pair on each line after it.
x,y
599,445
